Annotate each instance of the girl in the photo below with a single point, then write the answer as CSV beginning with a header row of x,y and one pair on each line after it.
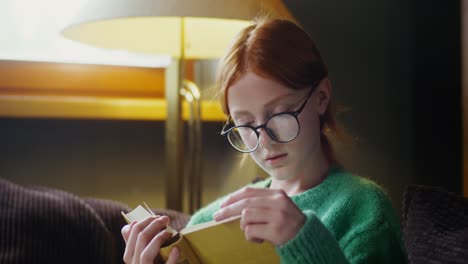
x,y
277,94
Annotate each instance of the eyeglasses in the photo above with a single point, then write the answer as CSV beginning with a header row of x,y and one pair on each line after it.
x,y
282,127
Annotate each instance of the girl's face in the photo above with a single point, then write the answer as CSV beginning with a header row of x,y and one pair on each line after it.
x,y
253,99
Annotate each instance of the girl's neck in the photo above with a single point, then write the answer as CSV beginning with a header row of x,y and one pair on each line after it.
x,y
312,174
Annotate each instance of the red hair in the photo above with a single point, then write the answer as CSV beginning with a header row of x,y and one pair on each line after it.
x,y
282,51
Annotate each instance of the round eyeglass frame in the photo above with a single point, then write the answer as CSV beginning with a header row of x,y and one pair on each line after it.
x,y
225,131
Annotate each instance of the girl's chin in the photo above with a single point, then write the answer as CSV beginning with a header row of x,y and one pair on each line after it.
x,y
280,174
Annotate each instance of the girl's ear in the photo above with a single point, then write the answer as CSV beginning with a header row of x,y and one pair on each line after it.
x,y
323,93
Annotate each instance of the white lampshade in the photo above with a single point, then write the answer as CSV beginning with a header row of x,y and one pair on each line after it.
x,y
204,28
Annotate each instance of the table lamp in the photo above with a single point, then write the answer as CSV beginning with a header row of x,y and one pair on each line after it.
x,y
184,29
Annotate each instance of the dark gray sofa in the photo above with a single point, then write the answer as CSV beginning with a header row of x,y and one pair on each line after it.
x,y
44,225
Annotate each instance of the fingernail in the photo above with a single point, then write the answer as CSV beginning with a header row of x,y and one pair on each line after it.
x,y
223,203
216,215
165,218
126,229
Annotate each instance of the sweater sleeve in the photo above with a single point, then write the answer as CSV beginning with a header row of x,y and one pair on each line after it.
x,y
315,244
375,245
205,214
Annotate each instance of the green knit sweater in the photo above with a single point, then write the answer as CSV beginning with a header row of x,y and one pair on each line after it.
x,y
349,220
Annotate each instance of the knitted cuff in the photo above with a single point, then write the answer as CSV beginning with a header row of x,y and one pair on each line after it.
x,y
312,244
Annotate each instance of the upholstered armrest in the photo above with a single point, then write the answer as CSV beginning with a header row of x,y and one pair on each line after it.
x,y
435,225
45,225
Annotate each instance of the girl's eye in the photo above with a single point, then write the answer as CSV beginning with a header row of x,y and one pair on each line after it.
x,y
241,122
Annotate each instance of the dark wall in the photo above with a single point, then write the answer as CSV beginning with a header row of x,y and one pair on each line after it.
x,y
395,65
120,160
111,159
437,87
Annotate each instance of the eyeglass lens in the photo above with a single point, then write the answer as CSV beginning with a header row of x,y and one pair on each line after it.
x,y
281,128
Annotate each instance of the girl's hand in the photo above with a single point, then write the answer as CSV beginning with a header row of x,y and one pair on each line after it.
x,y
266,214
144,239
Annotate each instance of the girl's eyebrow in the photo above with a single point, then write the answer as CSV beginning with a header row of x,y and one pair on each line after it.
x,y
266,105
237,114
279,98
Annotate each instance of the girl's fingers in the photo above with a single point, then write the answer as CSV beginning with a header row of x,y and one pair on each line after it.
x,y
149,233
131,241
173,256
266,214
256,216
254,221
151,250
274,226
259,232
126,231
247,192
237,207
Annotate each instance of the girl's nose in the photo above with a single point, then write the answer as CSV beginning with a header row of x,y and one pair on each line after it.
x,y
264,138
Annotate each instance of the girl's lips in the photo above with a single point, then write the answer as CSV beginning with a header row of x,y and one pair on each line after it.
x,y
275,159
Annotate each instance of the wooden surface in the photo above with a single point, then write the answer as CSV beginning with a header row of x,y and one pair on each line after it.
x,y
63,90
